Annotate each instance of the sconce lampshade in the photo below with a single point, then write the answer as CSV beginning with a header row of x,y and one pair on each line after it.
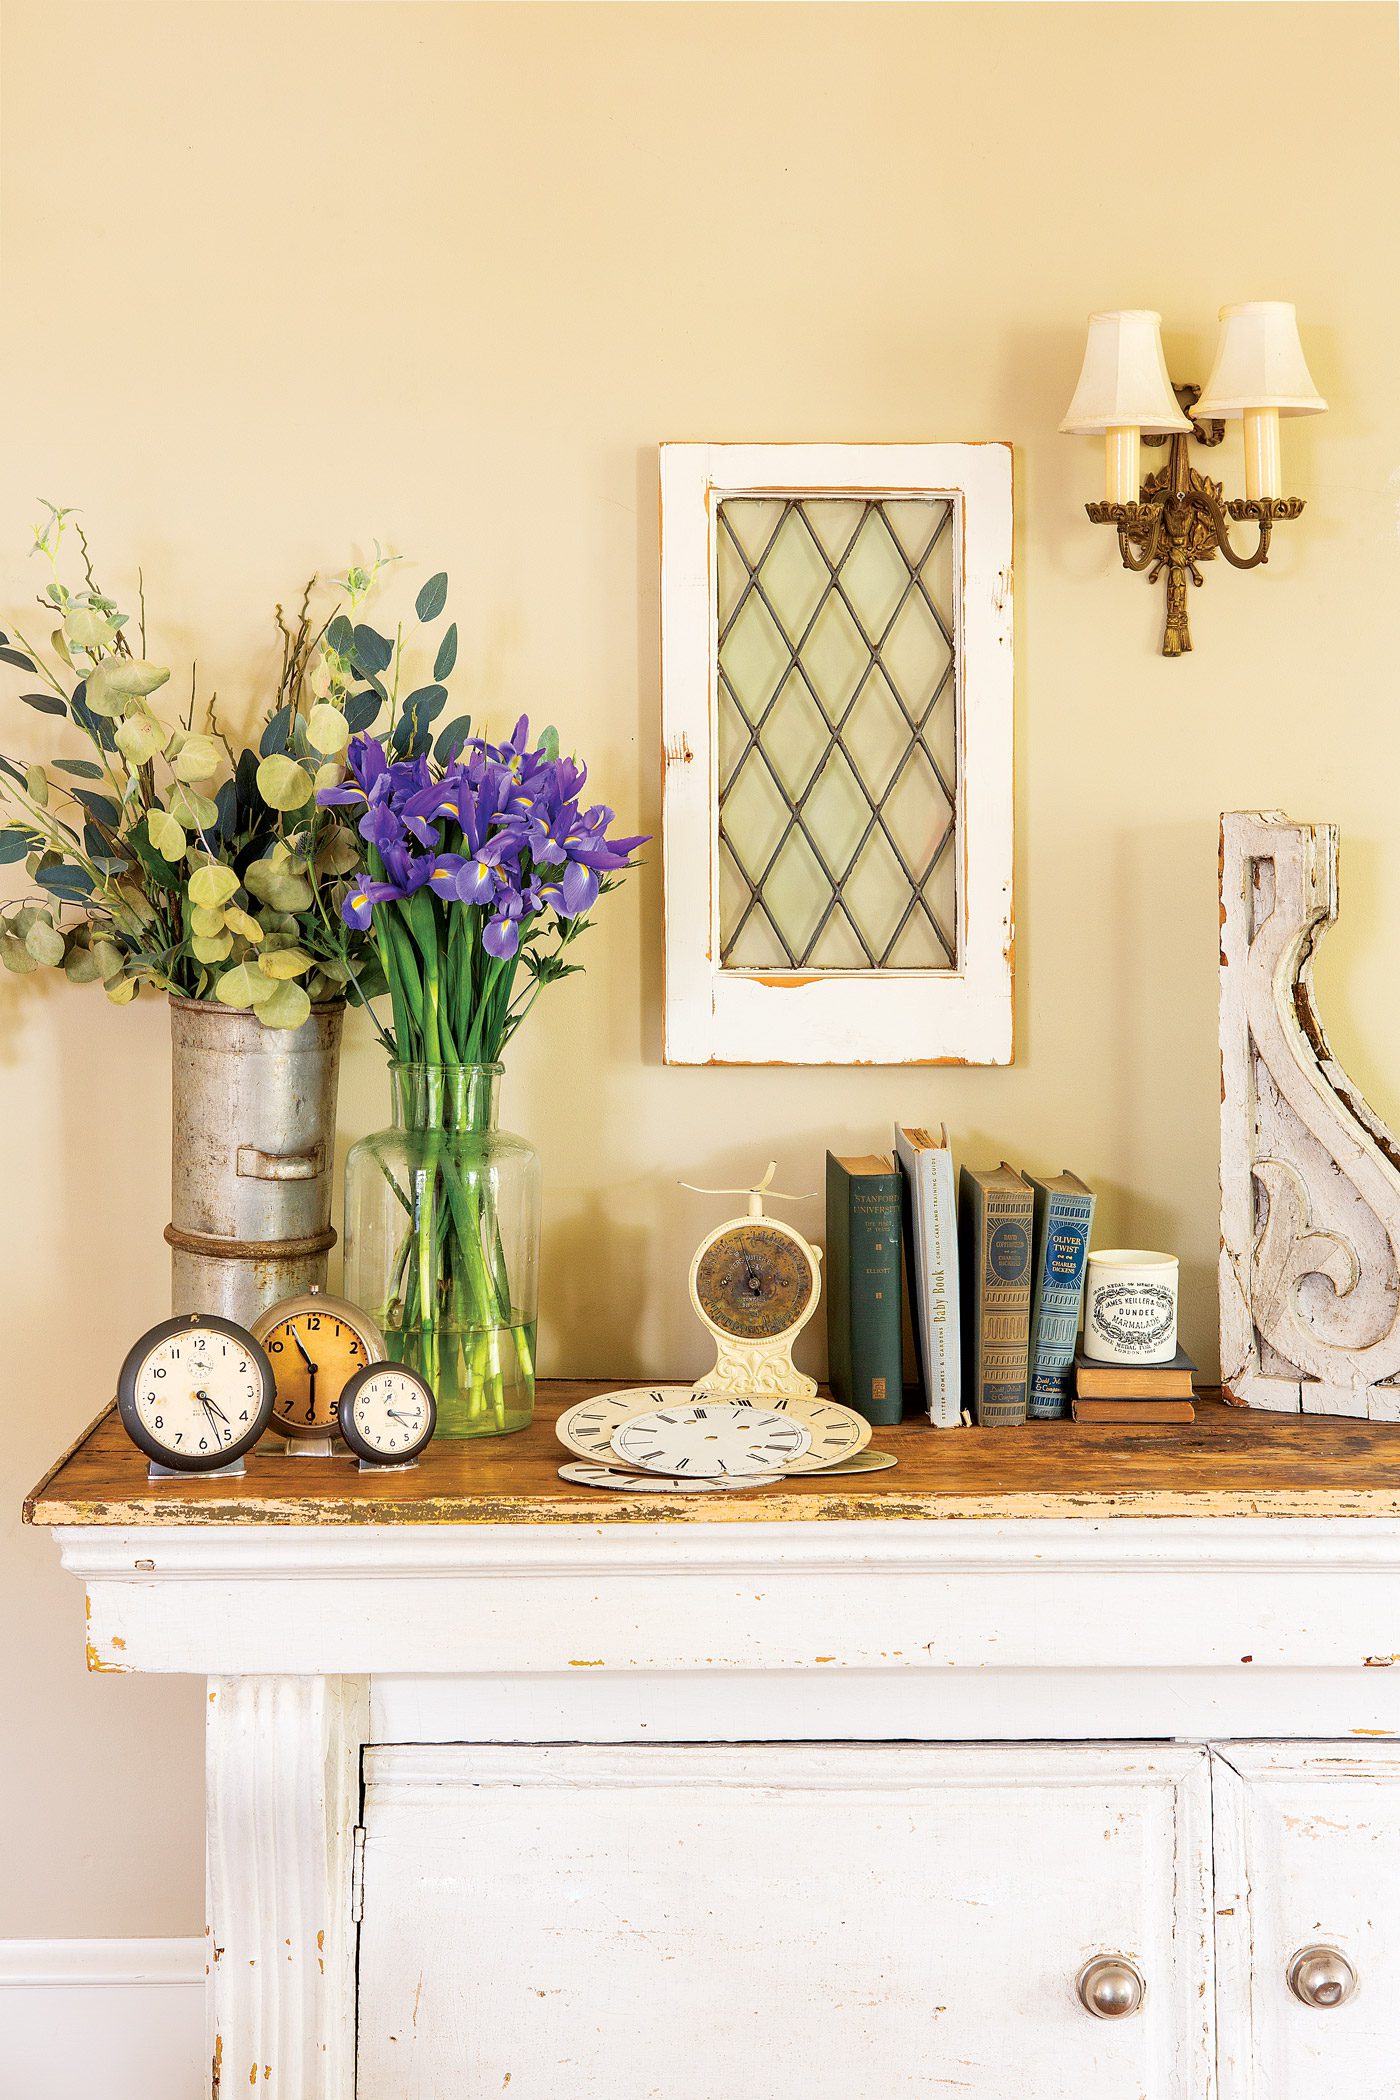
x,y
1260,364
1124,383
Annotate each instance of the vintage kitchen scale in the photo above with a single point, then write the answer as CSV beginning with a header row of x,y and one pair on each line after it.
x,y
755,1283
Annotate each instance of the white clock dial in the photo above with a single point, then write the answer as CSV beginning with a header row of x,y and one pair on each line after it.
x,y
387,1414
588,1426
195,1393
708,1439
836,1432
584,1475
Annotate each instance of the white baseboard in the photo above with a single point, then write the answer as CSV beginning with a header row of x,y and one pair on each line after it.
x,y
123,2019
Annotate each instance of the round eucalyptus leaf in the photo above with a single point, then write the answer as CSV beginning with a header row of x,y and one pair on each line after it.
x,y
123,991
273,882
118,680
242,922
165,833
108,957
212,885
327,730
212,948
283,963
87,628
80,966
45,944
195,812
207,921
36,786
338,852
15,955
288,1007
140,737
196,759
282,783
233,988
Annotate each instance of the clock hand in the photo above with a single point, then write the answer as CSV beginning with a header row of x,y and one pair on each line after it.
x,y
211,1407
302,1346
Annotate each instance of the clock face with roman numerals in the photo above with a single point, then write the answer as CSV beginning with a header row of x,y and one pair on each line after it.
x,y
836,1432
711,1439
587,1428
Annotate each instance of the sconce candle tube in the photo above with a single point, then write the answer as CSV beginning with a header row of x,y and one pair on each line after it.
x,y
1122,463
1263,455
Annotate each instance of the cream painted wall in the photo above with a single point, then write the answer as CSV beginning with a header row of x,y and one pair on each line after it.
x,y
281,278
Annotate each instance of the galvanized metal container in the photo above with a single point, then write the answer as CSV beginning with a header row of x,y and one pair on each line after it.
x,y
252,1144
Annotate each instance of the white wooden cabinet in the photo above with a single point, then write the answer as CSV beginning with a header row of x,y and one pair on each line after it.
x,y
802,1921
529,1805
1308,1857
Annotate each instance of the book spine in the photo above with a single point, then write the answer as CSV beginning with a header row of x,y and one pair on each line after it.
x,y
1003,1312
836,1287
873,1236
1061,1259
939,1284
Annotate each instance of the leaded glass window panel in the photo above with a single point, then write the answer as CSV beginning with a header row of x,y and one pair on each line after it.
x,y
837,718
837,729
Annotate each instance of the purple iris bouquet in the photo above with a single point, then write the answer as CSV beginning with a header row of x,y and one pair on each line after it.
x,y
480,869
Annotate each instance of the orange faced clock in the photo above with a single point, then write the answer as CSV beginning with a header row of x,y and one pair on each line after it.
x,y
315,1345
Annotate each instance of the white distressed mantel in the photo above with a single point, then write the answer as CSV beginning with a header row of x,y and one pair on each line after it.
x,y
321,1642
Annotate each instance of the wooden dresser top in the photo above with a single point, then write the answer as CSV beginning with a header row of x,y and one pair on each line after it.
x,y
1229,1463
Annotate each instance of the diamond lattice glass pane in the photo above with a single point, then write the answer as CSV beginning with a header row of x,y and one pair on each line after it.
x,y
838,733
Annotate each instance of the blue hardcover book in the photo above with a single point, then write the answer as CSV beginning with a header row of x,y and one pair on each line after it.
x,y
1064,1216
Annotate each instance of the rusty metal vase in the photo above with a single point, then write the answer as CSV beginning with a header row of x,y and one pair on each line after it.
x,y
252,1145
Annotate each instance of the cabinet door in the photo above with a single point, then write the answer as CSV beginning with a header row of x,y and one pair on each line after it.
x,y
1308,1856
782,1922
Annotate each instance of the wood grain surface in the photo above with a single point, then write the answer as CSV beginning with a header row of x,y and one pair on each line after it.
x,y
1228,1463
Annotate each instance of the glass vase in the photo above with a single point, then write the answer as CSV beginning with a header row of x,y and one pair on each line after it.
x,y
442,1233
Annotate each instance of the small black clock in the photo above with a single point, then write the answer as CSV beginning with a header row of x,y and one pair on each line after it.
x,y
387,1414
195,1393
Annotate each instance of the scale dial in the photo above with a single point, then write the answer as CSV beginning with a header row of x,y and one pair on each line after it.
x,y
387,1414
711,1439
195,1393
315,1344
754,1280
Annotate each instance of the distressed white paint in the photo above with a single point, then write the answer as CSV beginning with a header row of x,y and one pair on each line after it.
x,y
902,1597
1308,1852
326,1638
282,1764
1309,1176
733,1016
791,1922
123,2019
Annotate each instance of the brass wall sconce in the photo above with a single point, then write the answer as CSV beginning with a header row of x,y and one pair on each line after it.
x,y
1179,517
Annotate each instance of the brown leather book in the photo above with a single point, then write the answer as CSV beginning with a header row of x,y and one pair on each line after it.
x,y
1096,1381
1134,1414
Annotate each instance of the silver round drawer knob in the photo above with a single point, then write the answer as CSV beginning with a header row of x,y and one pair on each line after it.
x,y
1321,1977
1109,1987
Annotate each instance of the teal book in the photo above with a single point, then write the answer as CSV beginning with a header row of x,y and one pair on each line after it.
x,y
863,1313
994,1252
1063,1220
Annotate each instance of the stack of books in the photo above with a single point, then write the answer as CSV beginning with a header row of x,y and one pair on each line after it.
x,y
1134,1396
995,1262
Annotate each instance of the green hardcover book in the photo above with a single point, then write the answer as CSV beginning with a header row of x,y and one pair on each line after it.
x,y
994,1237
866,1365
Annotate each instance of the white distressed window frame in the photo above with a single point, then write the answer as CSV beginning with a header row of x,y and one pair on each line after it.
x,y
847,1017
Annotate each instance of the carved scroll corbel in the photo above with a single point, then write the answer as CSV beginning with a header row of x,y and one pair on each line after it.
x,y
1309,1175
